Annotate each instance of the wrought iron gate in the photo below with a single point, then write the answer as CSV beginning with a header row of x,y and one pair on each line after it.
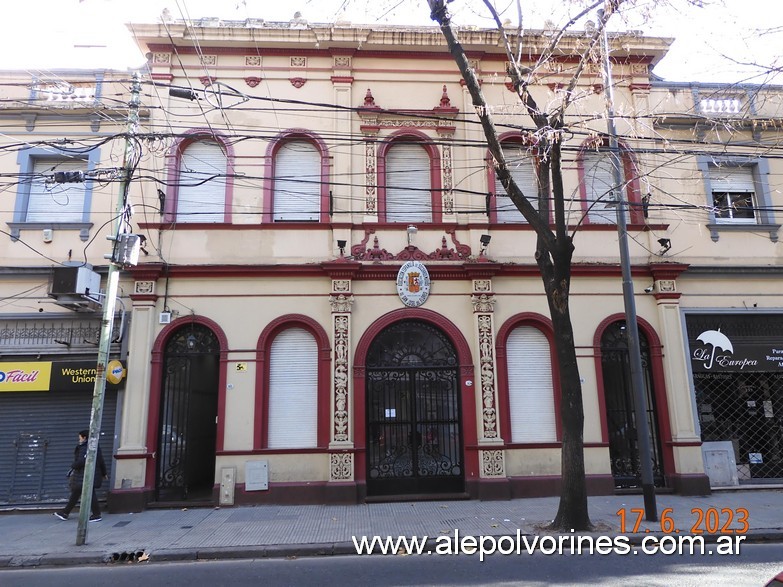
x,y
188,411
414,430
620,408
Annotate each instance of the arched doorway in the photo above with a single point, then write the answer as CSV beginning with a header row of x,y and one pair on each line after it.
x,y
413,412
620,408
187,427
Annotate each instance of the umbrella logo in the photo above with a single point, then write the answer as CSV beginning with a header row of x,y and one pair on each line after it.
x,y
718,340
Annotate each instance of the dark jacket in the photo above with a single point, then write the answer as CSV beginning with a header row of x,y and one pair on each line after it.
x,y
77,467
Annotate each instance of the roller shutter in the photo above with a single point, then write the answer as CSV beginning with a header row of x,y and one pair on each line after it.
x,y
55,202
38,432
293,390
408,185
524,173
201,191
531,395
297,194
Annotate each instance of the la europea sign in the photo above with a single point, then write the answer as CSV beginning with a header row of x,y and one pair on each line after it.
x,y
413,284
716,351
56,375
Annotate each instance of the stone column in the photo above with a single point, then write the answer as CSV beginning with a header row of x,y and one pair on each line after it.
x,y
340,458
491,453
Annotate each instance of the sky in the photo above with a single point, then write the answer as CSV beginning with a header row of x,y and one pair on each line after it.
x,y
710,44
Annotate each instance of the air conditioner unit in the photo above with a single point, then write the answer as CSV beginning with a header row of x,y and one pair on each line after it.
x,y
74,281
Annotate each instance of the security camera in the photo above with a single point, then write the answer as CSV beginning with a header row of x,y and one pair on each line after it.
x,y
649,289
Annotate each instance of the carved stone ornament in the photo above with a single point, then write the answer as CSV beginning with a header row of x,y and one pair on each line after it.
x,y
492,463
252,81
487,374
483,303
341,285
144,287
208,59
341,303
253,61
667,286
341,466
482,285
161,58
298,82
298,61
341,354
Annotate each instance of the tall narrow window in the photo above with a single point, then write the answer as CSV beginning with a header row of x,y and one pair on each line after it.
x,y
530,387
733,194
297,182
523,170
408,184
201,185
57,202
601,188
293,390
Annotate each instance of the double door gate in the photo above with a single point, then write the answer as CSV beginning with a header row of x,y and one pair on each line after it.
x,y
414,432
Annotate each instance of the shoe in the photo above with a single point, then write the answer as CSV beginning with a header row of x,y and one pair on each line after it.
x,y
95,518
63,517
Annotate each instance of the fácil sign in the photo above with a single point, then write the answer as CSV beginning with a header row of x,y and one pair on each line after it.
x,y
56,375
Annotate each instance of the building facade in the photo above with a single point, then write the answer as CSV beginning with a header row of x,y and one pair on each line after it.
x,y
336,301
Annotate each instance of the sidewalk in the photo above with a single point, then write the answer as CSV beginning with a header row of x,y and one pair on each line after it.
x,y
38,538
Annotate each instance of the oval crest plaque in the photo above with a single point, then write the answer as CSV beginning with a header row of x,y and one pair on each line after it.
x,y
413,284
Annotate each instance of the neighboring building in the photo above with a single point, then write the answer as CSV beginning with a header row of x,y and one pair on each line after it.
x,y
336,302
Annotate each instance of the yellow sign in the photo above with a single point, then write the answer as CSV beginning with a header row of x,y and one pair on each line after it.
x,y
25,376
115,372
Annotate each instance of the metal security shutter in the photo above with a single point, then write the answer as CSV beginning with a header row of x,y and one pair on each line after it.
x,y
201,191
37,437
732,179
55,202
531,397
293,390
297,194
599,184
524,173
408,186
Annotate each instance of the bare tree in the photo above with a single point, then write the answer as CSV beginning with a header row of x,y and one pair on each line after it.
x,y
554,245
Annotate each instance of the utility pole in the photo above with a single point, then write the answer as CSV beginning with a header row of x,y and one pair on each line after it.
x,y
107,324
631,328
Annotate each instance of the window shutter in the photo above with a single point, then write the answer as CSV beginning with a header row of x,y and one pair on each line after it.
x,y
599,183
408,186
732,179
531,394
297,184
524,173
293,391
55,202
201,197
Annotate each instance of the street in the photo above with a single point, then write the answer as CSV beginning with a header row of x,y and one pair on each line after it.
x,y
756,564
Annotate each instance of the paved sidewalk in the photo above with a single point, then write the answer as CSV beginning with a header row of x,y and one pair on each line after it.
x,y
38,538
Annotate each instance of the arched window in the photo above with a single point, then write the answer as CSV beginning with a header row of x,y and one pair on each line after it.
x,y
523,169
409,179
201,183
598,186
297,182
530,387
293,390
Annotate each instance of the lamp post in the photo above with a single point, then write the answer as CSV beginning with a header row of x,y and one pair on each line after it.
x,y
632,330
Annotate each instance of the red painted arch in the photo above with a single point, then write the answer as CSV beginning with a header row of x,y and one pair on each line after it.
x,y
264,347
544,325
658,381
467,391
156,380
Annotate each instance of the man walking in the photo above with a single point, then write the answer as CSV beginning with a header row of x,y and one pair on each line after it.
x,y
76,479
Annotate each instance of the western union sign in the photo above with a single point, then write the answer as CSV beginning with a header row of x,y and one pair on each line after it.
x,y
56,375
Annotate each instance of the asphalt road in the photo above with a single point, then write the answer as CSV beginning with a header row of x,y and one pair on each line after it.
x,y
753,567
